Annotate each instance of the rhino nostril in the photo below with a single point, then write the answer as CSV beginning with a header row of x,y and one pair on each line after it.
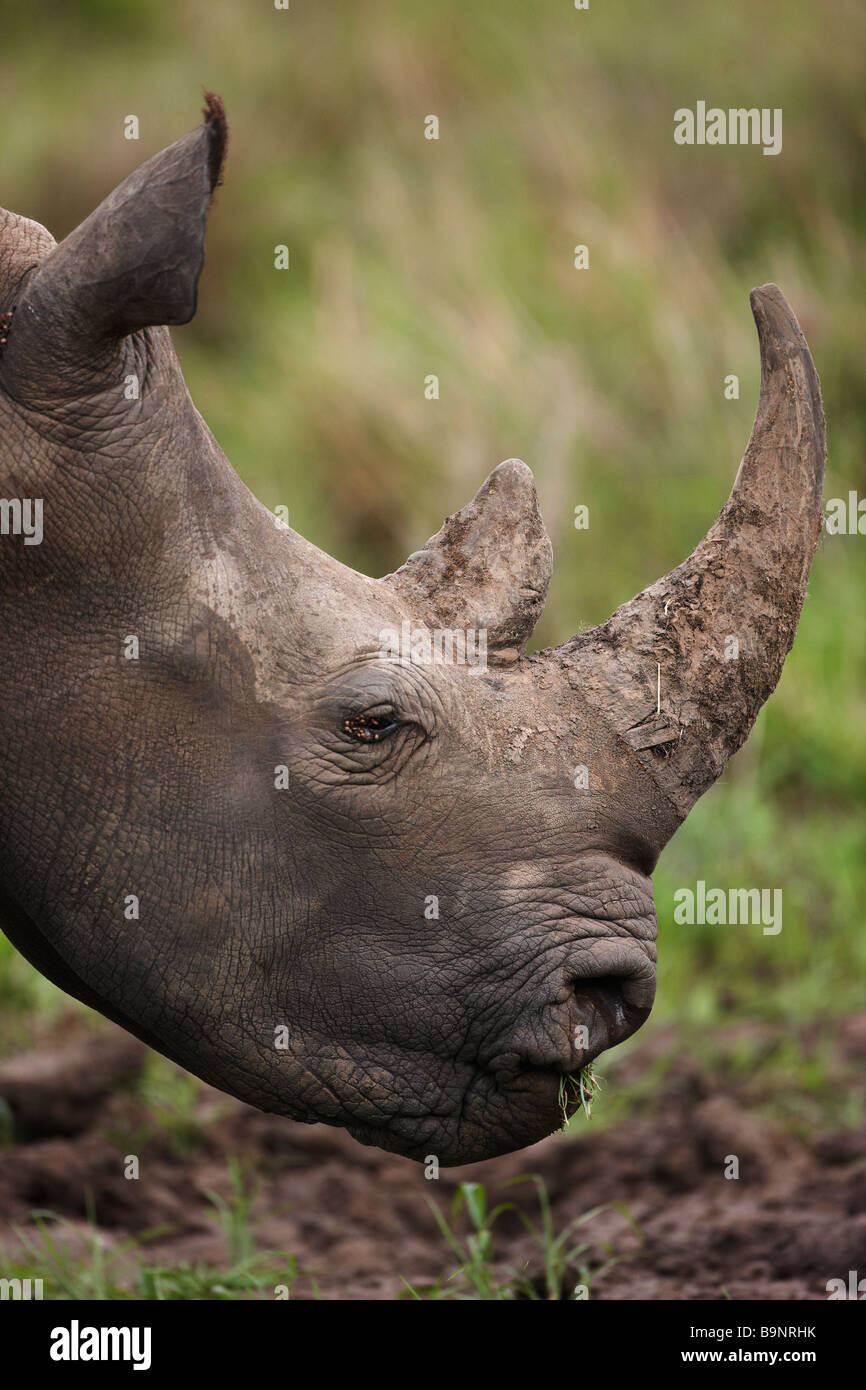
x,y
608,1009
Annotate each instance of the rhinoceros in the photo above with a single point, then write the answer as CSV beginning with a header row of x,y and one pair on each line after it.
x,y
401,893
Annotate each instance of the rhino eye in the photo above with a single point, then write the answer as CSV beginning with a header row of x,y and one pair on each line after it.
x,y
371,727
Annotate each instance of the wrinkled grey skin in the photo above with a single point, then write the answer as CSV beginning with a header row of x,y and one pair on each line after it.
x,y
305,906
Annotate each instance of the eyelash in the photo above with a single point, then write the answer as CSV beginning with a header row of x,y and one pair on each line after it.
x,y
369,728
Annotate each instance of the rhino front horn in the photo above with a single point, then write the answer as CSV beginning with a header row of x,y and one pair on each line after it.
x,y
682,670
488,566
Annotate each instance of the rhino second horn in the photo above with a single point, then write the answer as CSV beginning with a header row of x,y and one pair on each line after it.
x,y
488,567
683,669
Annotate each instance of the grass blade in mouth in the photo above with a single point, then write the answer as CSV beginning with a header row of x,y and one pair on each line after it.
x,y
583,1088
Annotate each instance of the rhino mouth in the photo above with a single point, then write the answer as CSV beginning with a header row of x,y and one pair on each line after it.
x,y
502,1102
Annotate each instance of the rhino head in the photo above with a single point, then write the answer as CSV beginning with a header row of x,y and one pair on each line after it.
x,y
407,896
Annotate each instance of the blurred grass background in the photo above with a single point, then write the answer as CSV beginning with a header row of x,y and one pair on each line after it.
x,y
455,257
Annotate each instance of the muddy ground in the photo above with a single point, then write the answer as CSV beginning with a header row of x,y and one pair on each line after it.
x,y
357,1220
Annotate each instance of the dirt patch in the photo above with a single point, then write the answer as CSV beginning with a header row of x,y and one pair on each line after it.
x,y
357,1219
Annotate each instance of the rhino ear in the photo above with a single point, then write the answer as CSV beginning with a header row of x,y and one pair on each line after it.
x,y
133,262
23,244
488,567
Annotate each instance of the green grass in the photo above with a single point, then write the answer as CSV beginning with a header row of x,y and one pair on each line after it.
x,y
582,1088
77,1262
564,1268
74,1268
